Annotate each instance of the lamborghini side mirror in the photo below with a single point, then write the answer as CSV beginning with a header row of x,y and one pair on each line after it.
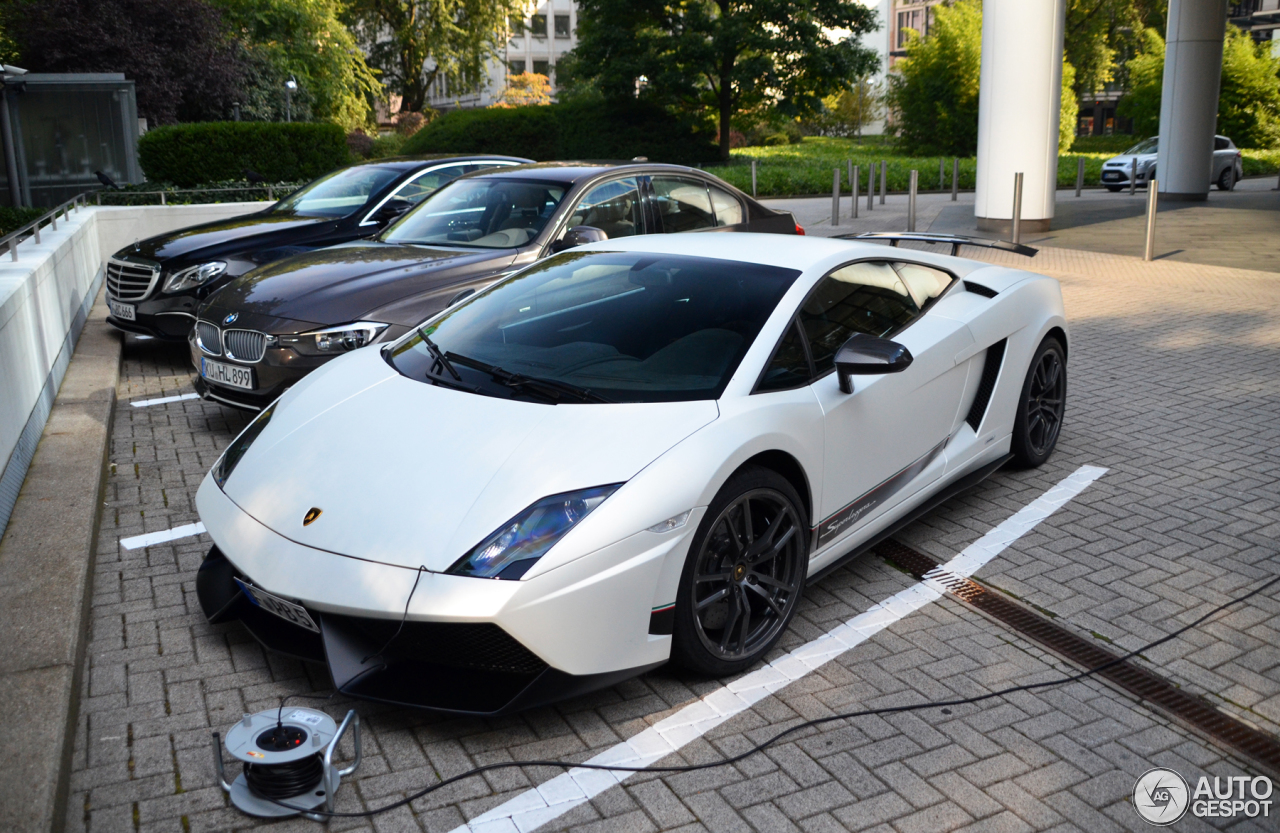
x,y
864,355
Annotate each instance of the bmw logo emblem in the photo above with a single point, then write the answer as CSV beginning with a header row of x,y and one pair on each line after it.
x,y
230,319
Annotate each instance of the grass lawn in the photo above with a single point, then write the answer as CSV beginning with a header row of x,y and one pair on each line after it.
x,y
806,168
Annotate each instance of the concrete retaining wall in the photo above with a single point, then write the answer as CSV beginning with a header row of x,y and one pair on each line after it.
x,y
44,299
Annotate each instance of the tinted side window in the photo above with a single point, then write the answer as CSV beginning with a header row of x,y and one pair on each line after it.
x,y
419,189
682,204
867,297
613,207
728,209
789,367
1220,143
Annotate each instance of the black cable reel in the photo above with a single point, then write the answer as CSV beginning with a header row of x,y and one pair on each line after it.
x,y
288,762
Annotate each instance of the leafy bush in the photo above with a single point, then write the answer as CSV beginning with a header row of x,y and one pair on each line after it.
x,y
360,144
388,145
1113,144
231,190
572,130
12,218
191,154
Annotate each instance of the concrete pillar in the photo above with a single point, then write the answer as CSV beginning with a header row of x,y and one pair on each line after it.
x,y
1020,93
1189,98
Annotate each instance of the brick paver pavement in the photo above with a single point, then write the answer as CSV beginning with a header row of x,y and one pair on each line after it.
x,y
1174,388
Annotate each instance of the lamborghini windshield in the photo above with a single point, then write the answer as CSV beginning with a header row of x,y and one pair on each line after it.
x,y
480,213
601,326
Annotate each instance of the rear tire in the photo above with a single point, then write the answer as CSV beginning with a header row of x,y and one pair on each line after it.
x,y
1041,405
744,575
1227,181
1115,189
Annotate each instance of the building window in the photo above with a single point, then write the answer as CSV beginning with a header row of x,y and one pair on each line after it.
x,y
516,24
542,68
538,25
517,67
562,26
917,19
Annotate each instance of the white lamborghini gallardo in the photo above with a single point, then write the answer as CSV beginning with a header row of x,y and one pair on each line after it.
x,y
632,452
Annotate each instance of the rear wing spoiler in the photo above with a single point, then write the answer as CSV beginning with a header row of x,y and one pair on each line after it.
x,y
955,241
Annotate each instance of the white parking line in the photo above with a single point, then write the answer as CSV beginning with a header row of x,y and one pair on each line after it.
x,y
546,802
164,400
162,536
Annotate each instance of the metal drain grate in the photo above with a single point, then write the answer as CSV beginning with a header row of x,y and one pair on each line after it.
x,y
1192,711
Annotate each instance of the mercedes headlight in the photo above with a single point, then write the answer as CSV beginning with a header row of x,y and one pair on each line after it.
x,y
231,457
194,276
517,545
333,340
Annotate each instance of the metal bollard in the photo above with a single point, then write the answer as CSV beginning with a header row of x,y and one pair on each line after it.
x,y
854,175
835,198
1133,175
1079,175
955,177
162,198
871,186
942,179
753,178
1152,190
1017,208
883,177
911,200
1277,188
271,193
99,198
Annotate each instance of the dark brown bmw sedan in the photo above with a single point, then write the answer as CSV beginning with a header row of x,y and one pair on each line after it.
x,y
270,327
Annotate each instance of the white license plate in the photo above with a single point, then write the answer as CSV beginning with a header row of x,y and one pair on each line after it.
x,y
1111,175
286,610
125,312
226,374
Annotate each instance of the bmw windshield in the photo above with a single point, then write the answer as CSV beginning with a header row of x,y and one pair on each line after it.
x,y
601,327
480,213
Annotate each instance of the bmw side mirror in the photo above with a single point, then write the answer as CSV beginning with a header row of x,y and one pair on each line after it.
x,y
864,355
578,236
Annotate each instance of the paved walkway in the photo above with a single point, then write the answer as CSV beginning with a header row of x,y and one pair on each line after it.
x,y
1239,229
1174,390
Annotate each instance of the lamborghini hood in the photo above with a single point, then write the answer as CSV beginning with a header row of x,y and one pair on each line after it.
x,y
411,474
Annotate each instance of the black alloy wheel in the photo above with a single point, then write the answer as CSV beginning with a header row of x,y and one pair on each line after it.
x,y
1227,180
745,574
1042,406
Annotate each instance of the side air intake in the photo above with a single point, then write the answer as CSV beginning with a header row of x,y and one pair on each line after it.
x,y
987,385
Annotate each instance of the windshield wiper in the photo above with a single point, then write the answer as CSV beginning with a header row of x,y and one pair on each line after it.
x,y
551,388
441,360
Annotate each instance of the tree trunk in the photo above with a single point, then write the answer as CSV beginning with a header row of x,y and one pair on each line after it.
x,y
726,112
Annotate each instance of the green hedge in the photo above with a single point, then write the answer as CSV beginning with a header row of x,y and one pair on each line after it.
x,y
192,154
579,130
12,218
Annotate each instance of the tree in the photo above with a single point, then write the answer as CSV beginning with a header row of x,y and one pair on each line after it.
x,y
525,89
1068,110
1248,98
934,89
729,55
303,39
412,42
175,51
844,113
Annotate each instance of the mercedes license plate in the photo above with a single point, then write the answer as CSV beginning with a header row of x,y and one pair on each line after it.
x,y
125,312
226,374
293,613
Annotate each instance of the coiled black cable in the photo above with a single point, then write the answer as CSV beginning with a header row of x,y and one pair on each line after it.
x,y
808,724
280,782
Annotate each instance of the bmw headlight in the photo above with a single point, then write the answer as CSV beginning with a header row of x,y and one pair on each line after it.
x,y
516,545
194,276
231,457
333,340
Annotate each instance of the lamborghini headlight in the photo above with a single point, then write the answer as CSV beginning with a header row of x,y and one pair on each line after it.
x,y
517,545
194,276
334,340
231,457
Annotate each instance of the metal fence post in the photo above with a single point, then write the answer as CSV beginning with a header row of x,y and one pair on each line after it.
x,y
13,248
955,177
883,177
271,193
855,174
36,228
871,186
1079,174
1017,208
942,179
53,221
162,198
753,178
1133,176
835,198
1152,198
99,195
911,200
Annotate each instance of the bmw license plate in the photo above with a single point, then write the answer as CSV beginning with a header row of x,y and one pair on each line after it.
x,y
125,312
293,613
226,374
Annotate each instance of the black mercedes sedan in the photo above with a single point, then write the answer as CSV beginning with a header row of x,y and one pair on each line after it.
x,y
155,285
267,329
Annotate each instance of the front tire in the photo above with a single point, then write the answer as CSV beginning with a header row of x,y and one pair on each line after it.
x,y
1115,189
1041,406
743,577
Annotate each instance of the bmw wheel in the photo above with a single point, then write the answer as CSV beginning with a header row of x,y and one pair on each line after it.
x,y
744,575
1041,406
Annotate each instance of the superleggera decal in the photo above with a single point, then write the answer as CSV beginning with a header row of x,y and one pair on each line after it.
x,y
841,521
